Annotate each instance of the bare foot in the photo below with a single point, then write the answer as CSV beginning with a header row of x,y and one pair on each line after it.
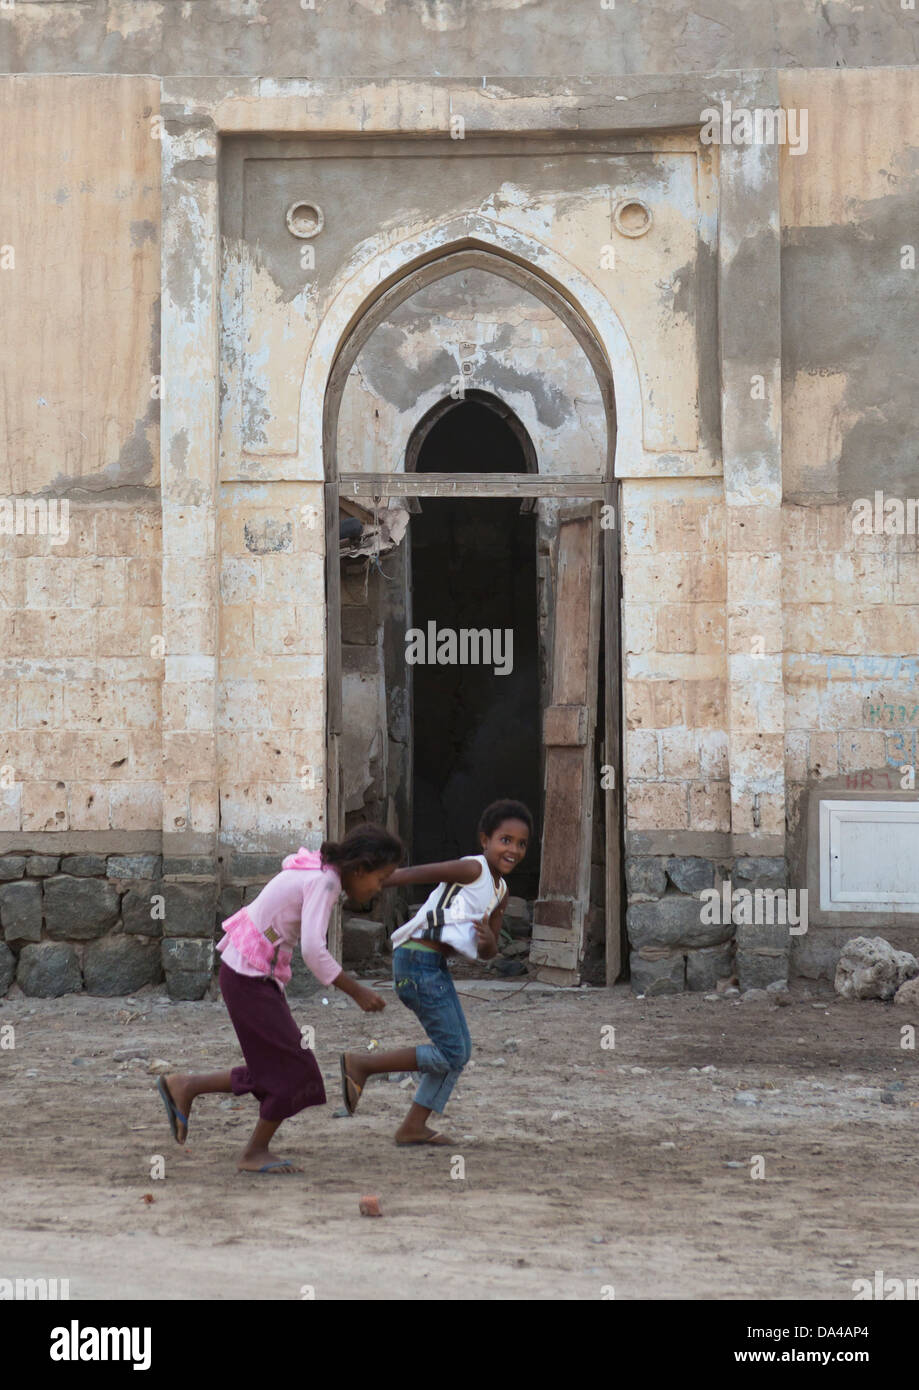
x,y
177,1085
264,1161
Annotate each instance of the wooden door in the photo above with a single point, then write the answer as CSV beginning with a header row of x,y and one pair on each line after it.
x,y
612,776
569,735
334,819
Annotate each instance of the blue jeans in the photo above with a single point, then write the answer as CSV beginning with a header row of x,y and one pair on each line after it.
x,y
422,981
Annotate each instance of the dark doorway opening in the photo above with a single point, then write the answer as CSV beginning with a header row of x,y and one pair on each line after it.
x,y
479,434
473,564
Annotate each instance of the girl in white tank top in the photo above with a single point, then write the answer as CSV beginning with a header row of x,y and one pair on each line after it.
x,y
451,911
462,914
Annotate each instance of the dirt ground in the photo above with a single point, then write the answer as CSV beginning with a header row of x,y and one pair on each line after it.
x,y
586,1167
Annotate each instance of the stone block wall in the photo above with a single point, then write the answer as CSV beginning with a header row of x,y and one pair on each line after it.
x,y
675,667
249,762
109,924
81,675
674,949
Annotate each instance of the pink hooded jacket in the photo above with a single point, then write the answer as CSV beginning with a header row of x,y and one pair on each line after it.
x,y
294,906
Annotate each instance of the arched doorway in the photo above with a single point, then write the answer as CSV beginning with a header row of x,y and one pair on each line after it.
x,y
492,447
578,720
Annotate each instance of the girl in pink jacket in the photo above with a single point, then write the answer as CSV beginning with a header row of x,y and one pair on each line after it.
x,y
257,946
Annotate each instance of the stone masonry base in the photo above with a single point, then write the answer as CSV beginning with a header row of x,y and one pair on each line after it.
x,y
111,924
673,948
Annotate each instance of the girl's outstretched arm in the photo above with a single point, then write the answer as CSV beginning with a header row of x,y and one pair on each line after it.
x,y
450,871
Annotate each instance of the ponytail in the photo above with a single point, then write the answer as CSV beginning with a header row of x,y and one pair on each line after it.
x,y
365,848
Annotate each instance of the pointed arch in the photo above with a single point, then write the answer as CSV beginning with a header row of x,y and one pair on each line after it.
x,y
489,401
368,296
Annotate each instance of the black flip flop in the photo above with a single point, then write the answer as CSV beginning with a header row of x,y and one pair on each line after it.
x,y
172,1110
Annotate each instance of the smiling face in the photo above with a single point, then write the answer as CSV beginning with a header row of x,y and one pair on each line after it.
x,y
505,847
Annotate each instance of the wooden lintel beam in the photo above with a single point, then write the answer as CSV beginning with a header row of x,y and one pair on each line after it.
x,y
468,485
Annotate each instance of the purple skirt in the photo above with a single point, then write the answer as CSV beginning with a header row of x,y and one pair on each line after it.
x,y
279,1071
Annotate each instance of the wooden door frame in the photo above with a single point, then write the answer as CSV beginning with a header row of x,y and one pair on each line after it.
x,y
613,720
570,736
515,485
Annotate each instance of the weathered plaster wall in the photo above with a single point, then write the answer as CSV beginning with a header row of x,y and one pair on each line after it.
x,y
849,303
515,347
850,211
375,198
417,38
675,668
657,290
84,720
80,672
80,208
271,691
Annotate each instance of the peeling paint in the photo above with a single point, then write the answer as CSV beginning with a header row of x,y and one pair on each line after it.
x,y
269,537
557,200
191,169
517,349
142,231
276,39
828,328
178,451
135,460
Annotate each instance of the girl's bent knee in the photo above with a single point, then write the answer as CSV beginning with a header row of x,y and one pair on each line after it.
x,y
456,1056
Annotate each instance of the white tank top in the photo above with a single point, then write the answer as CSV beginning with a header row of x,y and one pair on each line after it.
x,y
450,911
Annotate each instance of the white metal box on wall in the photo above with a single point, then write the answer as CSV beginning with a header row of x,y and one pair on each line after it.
x,y
869,856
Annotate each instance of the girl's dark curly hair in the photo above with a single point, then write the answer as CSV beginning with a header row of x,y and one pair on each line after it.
x,y
500,811
363,849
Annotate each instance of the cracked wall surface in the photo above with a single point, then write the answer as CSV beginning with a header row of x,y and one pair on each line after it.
x,y
112,733
79,425
515,348
420,38
278,289
850,303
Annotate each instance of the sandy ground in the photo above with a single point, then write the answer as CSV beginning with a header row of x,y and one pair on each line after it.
x,y
585,1167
